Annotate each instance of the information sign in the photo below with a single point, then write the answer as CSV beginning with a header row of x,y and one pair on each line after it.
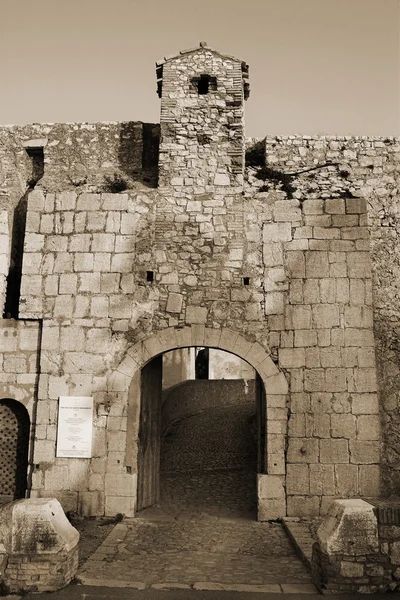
x,y
75,424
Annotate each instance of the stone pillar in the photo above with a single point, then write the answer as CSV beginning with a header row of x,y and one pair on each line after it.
x,y
347,549
39,546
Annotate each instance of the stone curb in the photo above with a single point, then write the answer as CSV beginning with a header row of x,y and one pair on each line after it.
x,y
273,588
301,538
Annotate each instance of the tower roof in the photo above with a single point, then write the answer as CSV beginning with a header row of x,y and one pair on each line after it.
x,y
202,46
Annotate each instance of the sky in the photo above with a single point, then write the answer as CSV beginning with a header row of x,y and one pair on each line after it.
x,y
316,66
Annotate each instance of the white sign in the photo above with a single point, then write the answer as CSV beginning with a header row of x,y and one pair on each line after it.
x,y
75,423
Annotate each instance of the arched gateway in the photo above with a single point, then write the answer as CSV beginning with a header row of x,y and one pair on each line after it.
x,y
142,374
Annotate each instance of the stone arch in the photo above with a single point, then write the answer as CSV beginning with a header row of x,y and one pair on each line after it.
x,y
14,446
127,376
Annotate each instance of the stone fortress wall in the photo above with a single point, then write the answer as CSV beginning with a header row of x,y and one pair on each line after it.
x,y
272,254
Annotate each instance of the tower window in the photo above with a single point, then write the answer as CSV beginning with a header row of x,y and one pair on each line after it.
x,y
37,165
204,84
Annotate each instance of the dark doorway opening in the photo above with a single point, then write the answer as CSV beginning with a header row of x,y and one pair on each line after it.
x,y
14,444
202,364
201,443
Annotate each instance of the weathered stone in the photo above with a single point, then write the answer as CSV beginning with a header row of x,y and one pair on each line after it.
x,y
349,529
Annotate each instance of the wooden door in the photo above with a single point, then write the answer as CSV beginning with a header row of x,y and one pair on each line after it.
x,y
150,434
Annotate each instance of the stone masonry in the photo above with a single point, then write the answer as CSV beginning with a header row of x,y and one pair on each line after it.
x,y
264,253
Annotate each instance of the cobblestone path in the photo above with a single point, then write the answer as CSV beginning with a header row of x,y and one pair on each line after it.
x,y
203,533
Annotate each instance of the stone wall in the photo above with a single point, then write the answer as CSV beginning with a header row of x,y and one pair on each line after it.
x,y
279,259
86,262
192,397
328,167
20,342
99,156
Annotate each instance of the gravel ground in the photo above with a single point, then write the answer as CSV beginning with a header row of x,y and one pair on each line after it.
x,y
93,532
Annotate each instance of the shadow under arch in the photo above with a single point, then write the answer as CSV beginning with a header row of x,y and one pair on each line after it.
x,y
14,445
272,386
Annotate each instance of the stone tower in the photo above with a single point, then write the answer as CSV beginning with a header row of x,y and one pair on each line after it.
x,y
202,120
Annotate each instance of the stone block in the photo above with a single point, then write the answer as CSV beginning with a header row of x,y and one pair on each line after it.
x,y
317,265
271,509
334,451
330,357
91,504
272,254
356,206
103,242
365,380
302,506
362,338
298,479
365,452
286,210
196,314
274,303
346,477
318,425
322,481
304,338
174,303
314,380
275,280
120,307
222,179
351,569
325,316
119,505
41,544
56,478
270,486
36,200
365,404
369,477
303,450
350,528
291,358
359,265
300,317
123,262
297,425
335,379
313,207
335,206
277,232
368,427
120,484
296,264
343,426
117,202
44,451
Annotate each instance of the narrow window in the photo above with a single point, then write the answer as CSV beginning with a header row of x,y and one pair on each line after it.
x,y
37,158
204,84
149,275
246,280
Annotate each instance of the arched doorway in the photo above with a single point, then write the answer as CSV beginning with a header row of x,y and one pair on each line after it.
x,y
219,430
273,413
14,443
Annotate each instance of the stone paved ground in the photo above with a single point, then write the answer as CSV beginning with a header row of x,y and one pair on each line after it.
x,y
203,533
